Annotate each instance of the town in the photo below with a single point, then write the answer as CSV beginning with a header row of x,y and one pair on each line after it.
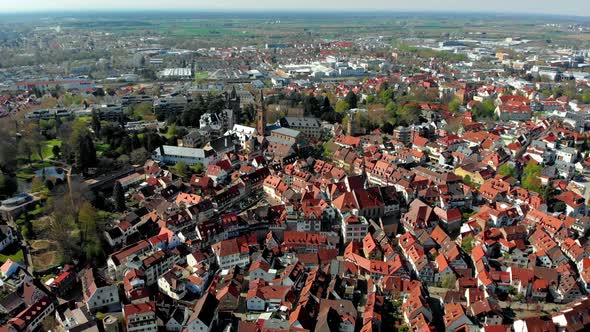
x,y
290,173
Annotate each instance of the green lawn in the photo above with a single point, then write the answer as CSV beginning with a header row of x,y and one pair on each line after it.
x,y
13,253
201,75
47,149
102,148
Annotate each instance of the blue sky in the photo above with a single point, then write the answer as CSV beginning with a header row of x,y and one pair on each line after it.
x,y
573,7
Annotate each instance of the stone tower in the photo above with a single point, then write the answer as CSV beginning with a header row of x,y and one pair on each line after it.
x,y
232,102
261,120
351,126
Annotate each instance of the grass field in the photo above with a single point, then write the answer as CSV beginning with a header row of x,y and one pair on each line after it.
x,y
47,149
12,252
201,75
102,148
45,254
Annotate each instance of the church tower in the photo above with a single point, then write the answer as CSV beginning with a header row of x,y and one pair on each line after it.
x,y
261,123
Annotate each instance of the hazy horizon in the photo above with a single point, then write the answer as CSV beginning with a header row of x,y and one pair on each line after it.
x,y
566,7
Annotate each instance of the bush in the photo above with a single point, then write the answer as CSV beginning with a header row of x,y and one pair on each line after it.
x,y
468,243
449,281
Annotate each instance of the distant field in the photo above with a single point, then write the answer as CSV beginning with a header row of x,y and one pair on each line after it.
x,y
585,37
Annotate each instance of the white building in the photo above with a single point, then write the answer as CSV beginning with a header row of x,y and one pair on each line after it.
x,y
311,127
354,228
173,154
229,254
172,283
97,296
176,74
141,317
243,133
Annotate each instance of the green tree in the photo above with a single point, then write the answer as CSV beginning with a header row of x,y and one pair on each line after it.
x,y
311,106
119,197
449,281
8,185
386,96
485,109
454,105
468,243
197,168
96,123
25,148
326,107
180,168
559,207
144,111
86,153
586,97
342,106
38,186
530,180
138,156
507,170
56,150
391,107
171,131
352,99
409,114
89,230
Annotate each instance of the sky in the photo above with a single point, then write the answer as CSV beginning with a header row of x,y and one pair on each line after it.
x,y
563,7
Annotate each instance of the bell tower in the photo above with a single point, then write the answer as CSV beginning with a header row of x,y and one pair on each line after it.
x,y
261,120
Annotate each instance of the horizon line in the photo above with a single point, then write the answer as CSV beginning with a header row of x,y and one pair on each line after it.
x,y
288,11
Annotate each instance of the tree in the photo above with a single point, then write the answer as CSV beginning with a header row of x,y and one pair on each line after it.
x,y
507,170
63,229
89,231
197,168
391,107
37,185
385,96
56,150
586,97
311,106
119,197
171,132
25,148
86,153
530,180
8,150
342,106
144,111
454,105
95,123
485,109
387,128
138,156
468,243
326,107
8,185
409,114
468,181
449,281
180,168
352,99
192,113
